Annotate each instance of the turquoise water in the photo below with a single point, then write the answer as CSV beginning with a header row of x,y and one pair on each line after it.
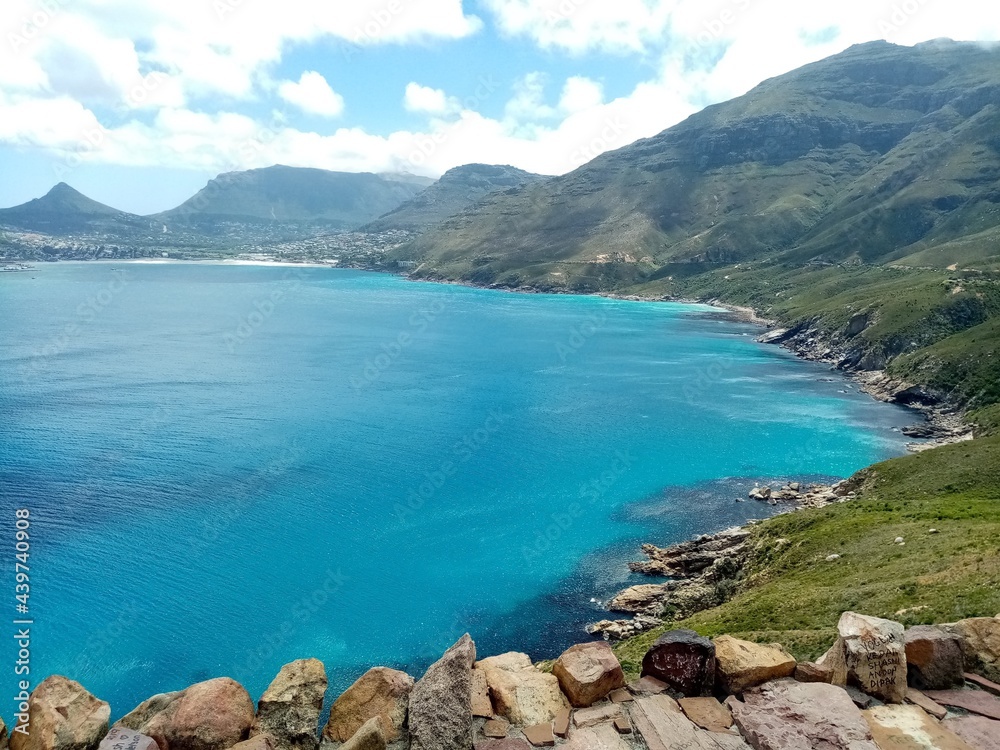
x,y
230,467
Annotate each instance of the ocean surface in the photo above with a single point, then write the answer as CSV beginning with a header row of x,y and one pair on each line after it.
x,y
229,467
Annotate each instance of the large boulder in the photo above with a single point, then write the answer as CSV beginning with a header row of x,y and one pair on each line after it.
x,y
786,714
980,645
441,701
522,693
909,727
370,736
869,653
380,692
743,664
289,709
587,672
62,715
684,660
933,658
210,715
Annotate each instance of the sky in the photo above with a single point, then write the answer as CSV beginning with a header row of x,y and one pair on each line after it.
x,y
138,103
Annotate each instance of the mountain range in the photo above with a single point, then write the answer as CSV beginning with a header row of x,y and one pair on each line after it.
x,y
855,200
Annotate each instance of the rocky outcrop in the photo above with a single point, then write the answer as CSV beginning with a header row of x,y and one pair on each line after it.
x,y
290,707
870,654
210,715
742,664
980,645
522,693
441,701
381,693
933,658
587,672
684,660
370,736
788,714
63,716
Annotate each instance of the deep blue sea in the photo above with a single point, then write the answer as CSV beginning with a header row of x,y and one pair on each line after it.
x,y
229,467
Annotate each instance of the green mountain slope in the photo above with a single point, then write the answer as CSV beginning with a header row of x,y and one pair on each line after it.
x,y
880,153
856,200
458,189
293,195
64,210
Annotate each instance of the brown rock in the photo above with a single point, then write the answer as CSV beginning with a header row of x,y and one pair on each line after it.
x,y
210,715
623,725
663,726
909,728
523,694
743,664
510,743
588,717
289,709
683,660
62,715
258,742
934,708
642,598
380,692
976,701
988,685
540,735
371,736
560,724
869,653
648,685
707,713
787,714
978,731
122,738
496,728
808,671
621,695
482,706
933,658
441,701
600,737
980,645
587,672
3,735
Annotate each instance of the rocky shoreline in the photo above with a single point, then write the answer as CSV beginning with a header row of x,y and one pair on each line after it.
x,y
703,572
879,687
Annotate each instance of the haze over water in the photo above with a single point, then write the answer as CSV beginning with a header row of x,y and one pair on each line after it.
x,y
230,467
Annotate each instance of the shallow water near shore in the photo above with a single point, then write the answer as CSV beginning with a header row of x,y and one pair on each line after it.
x,y
229,467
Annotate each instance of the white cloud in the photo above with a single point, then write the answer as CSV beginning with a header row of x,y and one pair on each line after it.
x,y
580,94
419,98
155,56
312,94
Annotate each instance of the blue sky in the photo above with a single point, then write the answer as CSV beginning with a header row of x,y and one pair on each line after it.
x,y
138,103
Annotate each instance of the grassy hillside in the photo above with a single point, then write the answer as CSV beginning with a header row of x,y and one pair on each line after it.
x,y
791,594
